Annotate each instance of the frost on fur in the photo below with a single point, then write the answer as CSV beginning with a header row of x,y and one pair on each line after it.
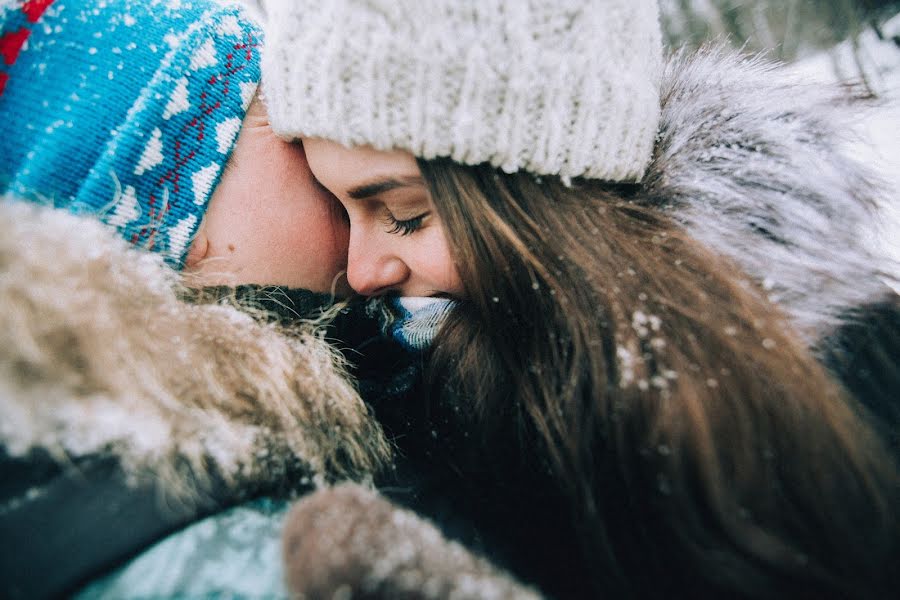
x,y
754,163
98,354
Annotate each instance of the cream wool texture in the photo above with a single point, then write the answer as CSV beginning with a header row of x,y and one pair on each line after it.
x,y
100,354
568,88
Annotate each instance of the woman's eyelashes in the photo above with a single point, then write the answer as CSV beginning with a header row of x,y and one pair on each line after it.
x,y
405,226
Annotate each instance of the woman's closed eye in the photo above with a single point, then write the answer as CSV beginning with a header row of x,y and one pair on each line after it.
x,y
405,226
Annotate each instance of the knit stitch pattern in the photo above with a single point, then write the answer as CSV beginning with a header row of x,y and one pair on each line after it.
x,y
127,110
568,88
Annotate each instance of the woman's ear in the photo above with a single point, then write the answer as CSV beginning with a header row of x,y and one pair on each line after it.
x,y
199,248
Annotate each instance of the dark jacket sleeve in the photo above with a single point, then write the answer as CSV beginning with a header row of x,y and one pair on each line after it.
x,y
864,353
62,526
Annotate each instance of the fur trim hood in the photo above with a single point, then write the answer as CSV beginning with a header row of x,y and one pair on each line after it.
x,y
757,165
99,354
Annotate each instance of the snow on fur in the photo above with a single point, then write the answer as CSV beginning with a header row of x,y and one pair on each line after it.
x,y
99,354
754,163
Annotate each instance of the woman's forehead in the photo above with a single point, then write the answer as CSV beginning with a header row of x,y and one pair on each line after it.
x,y
335,165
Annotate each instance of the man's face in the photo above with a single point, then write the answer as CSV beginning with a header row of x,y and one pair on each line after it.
x,y
268,222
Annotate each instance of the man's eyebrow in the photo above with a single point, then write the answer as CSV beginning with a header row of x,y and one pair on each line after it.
x,y
380,186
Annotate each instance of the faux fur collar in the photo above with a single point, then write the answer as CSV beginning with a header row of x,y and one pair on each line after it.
x,y
99,355
757,165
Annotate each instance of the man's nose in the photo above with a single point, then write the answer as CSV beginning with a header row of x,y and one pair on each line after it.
x,y
373,269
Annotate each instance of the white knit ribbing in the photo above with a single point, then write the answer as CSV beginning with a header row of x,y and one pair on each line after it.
x,y
554,87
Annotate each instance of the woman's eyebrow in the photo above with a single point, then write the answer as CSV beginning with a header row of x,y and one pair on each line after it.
x,y
380,186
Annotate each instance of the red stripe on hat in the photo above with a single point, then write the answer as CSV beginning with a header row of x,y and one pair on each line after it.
x,y
11,43
3,79
33,9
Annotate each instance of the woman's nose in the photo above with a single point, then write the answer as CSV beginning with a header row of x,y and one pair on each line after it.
x,y
373,270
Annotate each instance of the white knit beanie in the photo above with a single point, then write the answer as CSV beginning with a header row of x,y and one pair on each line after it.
x,y
553,87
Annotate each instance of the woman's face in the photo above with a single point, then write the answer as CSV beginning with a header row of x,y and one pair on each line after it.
x,y
397,241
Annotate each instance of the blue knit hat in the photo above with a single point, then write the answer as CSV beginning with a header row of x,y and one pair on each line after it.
x,y
123,109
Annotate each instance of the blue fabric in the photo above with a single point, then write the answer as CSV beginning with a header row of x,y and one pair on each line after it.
x,y
124,109
417,320
235,554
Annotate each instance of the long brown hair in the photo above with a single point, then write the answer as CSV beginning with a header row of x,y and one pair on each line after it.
x,y
617,347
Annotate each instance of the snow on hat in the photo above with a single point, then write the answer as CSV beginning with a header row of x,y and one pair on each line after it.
x,y
128,110
554,87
